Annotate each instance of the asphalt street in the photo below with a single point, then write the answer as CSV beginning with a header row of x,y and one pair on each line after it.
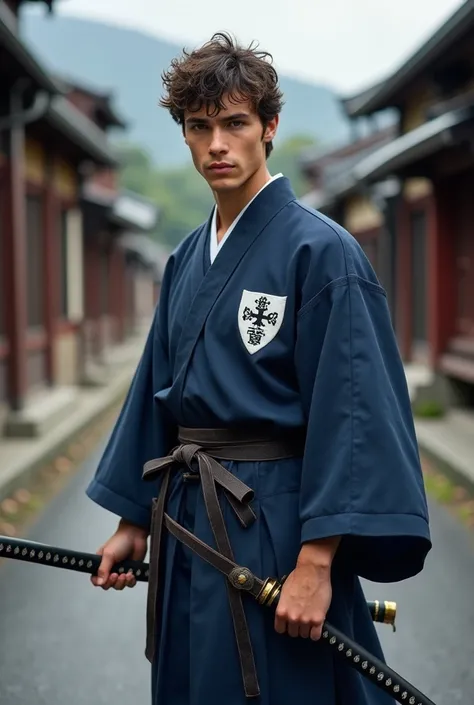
x,y
62,641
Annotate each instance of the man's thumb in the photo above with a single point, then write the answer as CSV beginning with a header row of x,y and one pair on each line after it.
x,y
108,559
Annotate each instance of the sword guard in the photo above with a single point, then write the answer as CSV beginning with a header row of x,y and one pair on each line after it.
x,y
241,578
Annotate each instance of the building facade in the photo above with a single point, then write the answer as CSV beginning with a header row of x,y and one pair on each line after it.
x,y
62,274
417,188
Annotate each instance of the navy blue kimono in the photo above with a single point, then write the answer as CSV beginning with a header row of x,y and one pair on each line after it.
x,y
288,326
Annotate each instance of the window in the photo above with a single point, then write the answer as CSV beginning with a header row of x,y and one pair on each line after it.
x,y
35,268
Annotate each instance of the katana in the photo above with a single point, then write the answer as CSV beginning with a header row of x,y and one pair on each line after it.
x,y
268,594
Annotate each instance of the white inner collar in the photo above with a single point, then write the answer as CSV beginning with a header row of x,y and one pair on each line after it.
x,y
215,246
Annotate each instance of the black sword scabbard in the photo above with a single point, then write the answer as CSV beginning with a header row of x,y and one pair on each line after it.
x,y
354,654
372,668
345,648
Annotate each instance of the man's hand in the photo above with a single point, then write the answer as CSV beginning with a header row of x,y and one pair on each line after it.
x,y
128,542
306,594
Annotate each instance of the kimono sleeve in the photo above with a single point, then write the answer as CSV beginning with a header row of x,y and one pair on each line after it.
x,y
143,431
361,477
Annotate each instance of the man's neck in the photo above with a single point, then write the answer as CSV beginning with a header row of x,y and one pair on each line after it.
x,y
231,203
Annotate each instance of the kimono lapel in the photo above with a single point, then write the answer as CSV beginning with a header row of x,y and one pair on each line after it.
x,y
200,261
255,219
206,245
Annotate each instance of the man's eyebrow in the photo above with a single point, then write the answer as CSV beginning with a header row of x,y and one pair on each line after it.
x,y
204,121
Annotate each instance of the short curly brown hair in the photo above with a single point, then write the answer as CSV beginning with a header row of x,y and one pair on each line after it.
x,y
221,66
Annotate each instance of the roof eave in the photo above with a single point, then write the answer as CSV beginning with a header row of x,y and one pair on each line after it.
x,y
135,212
397,155
103,100
130,224
113,118
12,42
411,147
383,94
66,118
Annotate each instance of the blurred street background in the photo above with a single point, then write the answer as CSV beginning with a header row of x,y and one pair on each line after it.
x,y
97,188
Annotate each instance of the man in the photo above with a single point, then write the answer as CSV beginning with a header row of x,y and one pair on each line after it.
x,y
270,412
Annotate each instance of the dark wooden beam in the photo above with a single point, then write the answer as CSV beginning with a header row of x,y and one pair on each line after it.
x,y
441,270
51,265
14,233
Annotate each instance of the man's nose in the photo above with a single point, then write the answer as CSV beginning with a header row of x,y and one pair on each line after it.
x,y
218,143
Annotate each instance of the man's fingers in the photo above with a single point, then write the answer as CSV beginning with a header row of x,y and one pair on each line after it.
x,y
120,583
124,580
304,630
280,624
110,582
293,629
130,579
298,627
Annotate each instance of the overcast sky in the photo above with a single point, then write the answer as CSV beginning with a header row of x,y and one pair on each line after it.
x,y
347,44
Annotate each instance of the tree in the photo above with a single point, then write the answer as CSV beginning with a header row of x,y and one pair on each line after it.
x,y
137,171
285,159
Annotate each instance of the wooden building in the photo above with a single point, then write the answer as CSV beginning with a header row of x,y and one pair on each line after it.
x,y
53,143
122,270
335,192
120,285
421,182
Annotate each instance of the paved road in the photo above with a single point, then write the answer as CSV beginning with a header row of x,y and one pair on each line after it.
x,y
62,641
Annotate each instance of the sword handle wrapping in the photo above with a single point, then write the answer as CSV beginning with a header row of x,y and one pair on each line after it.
x,y
78,561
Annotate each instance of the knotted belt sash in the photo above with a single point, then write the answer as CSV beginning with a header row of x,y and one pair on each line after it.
x,y
197,457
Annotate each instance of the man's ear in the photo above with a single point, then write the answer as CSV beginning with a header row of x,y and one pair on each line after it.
x,y
271,129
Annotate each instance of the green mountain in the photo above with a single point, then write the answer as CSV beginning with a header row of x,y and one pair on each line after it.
x,y
129,64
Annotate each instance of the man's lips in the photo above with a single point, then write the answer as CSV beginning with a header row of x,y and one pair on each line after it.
x,y
220,167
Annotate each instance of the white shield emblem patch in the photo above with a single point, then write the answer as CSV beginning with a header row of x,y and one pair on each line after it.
x,y
260,318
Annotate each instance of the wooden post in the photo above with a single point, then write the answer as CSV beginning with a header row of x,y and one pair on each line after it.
x,y
51,267
123,296
403,284
442,271
114,291
117,288
16,269
96,298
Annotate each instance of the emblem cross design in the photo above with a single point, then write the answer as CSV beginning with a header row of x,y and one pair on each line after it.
x,y
257,331
260,318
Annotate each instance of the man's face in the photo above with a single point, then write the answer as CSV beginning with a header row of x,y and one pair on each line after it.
x,y
229,148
